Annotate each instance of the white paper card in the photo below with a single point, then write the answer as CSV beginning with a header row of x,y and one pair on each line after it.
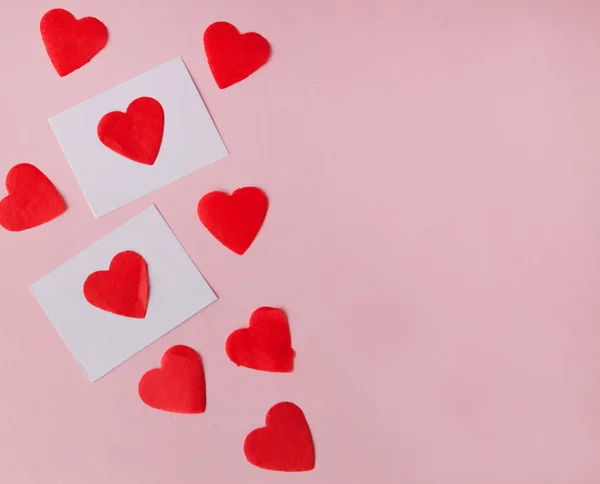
x,y
190,138
99,340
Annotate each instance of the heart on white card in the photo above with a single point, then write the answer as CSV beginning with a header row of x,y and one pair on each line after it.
x,y
100,340
99,155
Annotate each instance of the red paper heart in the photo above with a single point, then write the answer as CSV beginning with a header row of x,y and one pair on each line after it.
x,y
234,220
32,199
265,345
284,444
71,43
123,289
178,385
137,133
233,56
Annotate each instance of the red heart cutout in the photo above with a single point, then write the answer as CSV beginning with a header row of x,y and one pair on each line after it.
x,y
234,220
31,201
233,56
284,444
137,133
178,385
265,345
71,43
123,289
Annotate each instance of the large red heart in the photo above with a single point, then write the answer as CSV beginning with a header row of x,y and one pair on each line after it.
x,y
123,289
137,133
234,220
71,43
265,345
178,385
284,444
233,56
32,199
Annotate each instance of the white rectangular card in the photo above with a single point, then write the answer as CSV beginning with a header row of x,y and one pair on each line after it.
x,y
109,180
99,340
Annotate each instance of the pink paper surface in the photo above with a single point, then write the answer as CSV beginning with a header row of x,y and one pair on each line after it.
x,y
433,171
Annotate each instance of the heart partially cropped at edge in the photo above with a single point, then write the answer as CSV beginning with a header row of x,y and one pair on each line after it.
x,y
32,199
233,56
136,133
284,444
265,345
179,385
123,289
71,43
234,220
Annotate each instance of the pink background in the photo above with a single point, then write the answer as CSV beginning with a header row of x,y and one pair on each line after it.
x,y
434,235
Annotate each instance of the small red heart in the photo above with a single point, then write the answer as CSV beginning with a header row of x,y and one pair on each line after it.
x,y
137,133
123,289
265,345
178,385
31,201
71,43
233,56
234,220
284,444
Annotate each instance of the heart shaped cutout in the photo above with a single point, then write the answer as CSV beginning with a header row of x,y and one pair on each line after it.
x,y
123,289
71,43
179,385
284,444
31,201
232,56
234,220
265,345
137,133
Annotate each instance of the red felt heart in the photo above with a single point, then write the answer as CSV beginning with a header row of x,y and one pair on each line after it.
x,y
265,345
123,289
284,444
178,385
32,199
137,133
233,56
234,220
71,43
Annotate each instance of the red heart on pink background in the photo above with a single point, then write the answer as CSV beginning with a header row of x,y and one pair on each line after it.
x,y
284,443
71,43
123,289
178,385
265,345
31,201
234,220
233,56
137,133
